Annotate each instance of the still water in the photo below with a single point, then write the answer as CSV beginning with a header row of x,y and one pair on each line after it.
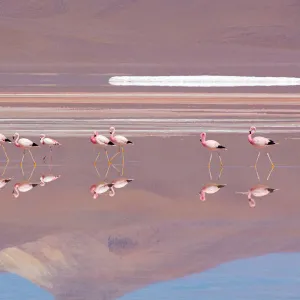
x,y
170,220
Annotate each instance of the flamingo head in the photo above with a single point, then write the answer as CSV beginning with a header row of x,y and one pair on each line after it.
x,y
202,136
202,195
93,188
15,135
112,130
252,203
252,129
95,196
93,137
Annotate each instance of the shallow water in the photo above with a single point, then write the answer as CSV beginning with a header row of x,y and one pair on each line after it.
x,y
156,227
268,277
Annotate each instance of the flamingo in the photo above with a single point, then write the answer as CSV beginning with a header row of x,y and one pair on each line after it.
x,y
23,187
118,184
101,141
4,139
4,182
25,144
210,188
49,142
257,191
48,178
119,140
260,143
101,188
212,146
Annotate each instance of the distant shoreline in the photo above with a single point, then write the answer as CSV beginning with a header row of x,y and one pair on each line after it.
x,y
150,98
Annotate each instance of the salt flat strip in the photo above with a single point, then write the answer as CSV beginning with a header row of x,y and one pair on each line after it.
x,y
203,81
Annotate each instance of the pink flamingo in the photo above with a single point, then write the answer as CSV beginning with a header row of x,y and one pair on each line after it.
x,y
49,142
48,178
101,188
101,141
23,187
212,146
210,188
260,143
257,191
4,139
24,144
119,140
4,182
118,184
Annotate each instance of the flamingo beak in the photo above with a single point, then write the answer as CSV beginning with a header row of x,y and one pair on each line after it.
x,y
250,131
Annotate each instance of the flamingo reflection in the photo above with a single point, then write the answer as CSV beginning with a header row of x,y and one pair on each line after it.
x,y
118,184
45,179
25,185
99,189
258,191
210,188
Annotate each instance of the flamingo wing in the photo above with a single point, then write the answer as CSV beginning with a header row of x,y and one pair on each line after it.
x,y
25,142
101,139
212,144
49,141
261,141
25,187
121,139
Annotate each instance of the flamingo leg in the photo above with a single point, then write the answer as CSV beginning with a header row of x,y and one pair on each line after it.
x,y
7,159
123,159
4,170
210,160
97,170
21,163
95,162
34,163
220,174
272,164
221,163
108,168
257,175
34,166
119,151
257,159
209,172
270,173
108,160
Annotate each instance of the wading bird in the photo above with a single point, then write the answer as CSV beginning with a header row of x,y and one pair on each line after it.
x,y
4,139
210,188
101,188
257,191
48,178
118,184
24,144
260,143
49,142
119,140
101,141
23,187
212,146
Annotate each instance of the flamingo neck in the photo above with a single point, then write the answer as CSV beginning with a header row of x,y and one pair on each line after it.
x,y
17,139
112,192
112,135
202,196
16,192
42,138
250,139
203,140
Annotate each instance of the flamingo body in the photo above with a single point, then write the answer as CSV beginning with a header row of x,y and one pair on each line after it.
x,y
99,189
48,178
210,189
101,140
48,141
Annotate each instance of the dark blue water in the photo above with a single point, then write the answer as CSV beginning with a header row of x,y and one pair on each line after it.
x,y
268,277
14,287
